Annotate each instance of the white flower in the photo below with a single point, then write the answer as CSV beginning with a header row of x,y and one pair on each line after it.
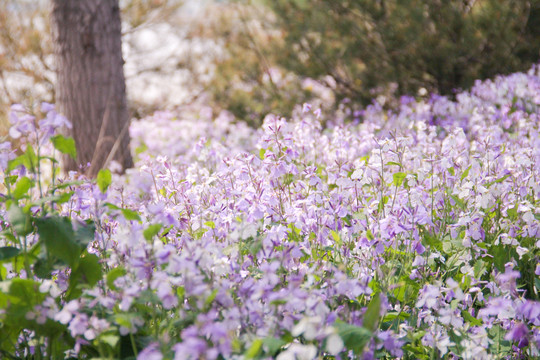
x,y
67,312
308,327
298,352
521,251
334,344
357,174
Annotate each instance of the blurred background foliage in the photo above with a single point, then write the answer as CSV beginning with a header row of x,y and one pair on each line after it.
x,y
261,56
364,49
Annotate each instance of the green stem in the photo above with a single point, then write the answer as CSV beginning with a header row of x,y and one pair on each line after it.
x,y
50,344
133,346
26,263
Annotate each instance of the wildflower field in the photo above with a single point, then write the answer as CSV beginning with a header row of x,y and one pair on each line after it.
x,y
407,234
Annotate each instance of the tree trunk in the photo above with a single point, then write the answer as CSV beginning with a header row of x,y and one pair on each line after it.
x,y
91,90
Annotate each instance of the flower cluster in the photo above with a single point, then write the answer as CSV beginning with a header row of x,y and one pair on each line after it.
x,y
411,234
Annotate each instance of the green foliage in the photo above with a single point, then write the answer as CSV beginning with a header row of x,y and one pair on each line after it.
x,y
28,159
152,231
8,252
361,49
354,337
66,145
128,214
442,45
20,221
58,236
86,274
372,315
104,179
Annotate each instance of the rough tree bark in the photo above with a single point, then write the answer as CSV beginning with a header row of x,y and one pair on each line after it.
x,y
91,90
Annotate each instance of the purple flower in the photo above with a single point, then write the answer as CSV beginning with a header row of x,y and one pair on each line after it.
x,y
428,296
67,312
500,307
530,310
151,352
78,325
518,333
191,348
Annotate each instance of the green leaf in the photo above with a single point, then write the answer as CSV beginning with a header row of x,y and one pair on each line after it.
x,y
479,268
398,178
261,153
91,269
68,184
29,160
496,333
104,179
131,215
21,221
458,201
9,236
21,189
336,237
471,319
66,145
210,224
64,197
399,292
25,291
59,238
500,256
151,231
110,339
124,319
391,316
418,351
113,275
255,247
10,180
15,163
43,268
85,233
59,199
369,235
273,345
88,271
210,299
128,214
8,252
86,274
197,234
181,293
355,338
22,296
112,206
254,350
465,173
512,212
140,149
498,181
51,159
372,315
3,275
